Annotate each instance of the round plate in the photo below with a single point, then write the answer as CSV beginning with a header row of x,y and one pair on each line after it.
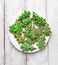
x,y
17,46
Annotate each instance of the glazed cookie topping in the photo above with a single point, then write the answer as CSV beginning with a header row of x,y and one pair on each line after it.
x,y
30,31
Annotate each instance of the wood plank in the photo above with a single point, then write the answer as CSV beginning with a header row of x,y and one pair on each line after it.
x,y
52,10
12,55
1,33
40,58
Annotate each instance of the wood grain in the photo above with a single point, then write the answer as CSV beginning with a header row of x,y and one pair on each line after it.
x,y
52,11
40,58
1,33
12,55
48,56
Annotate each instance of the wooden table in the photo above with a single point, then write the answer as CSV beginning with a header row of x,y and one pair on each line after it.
x,y
10,9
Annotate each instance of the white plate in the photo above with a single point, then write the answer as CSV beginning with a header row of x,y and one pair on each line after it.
x,y
14,42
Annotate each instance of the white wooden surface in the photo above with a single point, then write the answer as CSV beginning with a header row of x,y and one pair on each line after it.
x,y
48,56
12,55
1,33
52,11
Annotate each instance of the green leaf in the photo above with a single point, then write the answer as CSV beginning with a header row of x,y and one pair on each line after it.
x,y
24,15
41,42
42,21
47,30
11,28
38,31
35,16
33,34
26,22
29,26
26,47
38,20
20,39
31,48
27,32
17,27
29,41
17,35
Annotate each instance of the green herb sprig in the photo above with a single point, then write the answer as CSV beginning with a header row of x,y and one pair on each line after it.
x,y
41,42
38,20
47,29
24,15
26,22
26,47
